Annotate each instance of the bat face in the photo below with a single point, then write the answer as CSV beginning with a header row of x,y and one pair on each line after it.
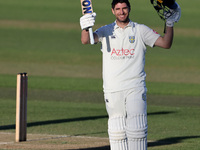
x,y
87,9
86,6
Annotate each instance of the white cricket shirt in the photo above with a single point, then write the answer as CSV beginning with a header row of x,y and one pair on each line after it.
x,y
124,55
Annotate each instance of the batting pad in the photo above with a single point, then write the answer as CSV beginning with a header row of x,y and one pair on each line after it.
x,y
136,131
139,144
117,133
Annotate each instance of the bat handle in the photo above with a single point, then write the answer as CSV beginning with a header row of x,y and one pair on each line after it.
x,y
91,36
164,28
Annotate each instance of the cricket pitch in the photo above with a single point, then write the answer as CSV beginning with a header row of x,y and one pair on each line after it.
x,y
59,142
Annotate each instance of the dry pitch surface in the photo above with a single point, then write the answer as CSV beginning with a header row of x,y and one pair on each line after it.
x,y
48,142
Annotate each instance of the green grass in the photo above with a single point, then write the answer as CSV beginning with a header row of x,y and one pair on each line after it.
x,y
42,37
169,127
95,85
58,118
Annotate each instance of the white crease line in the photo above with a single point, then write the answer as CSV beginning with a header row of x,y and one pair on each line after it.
x,y
49,137
6,143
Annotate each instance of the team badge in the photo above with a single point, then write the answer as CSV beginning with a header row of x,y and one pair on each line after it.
x,y
131,39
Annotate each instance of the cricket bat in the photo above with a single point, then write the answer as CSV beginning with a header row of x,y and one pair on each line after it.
x,y
87,9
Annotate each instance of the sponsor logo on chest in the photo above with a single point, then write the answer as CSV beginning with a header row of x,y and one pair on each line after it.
x,y
117,54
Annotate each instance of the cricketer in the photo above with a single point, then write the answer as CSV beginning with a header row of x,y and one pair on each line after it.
x,y
123,45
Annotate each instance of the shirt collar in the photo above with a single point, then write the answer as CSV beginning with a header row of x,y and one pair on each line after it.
x,y
130,24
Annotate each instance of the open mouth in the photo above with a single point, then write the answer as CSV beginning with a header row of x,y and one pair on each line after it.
x,y
122,17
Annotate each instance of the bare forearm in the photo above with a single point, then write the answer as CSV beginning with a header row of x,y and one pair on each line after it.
x,y
168,37
85,38
167,40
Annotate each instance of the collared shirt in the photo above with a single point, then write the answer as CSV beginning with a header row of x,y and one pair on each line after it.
x,y
124,55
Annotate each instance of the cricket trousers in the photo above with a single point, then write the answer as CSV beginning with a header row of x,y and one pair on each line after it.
x,y
127,123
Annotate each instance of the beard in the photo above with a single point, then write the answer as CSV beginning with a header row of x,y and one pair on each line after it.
x,y
125,20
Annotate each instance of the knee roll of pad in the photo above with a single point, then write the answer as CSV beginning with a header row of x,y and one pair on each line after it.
x,y
136,127
117,133
116,128
136,131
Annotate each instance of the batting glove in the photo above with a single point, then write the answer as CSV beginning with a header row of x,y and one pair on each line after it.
x,y
170,20
87,21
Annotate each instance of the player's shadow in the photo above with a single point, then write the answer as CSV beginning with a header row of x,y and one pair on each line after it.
x,y
95,148
39,123
170,141
162,142
161,113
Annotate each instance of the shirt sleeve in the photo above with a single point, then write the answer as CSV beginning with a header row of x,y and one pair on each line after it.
x,y
99,32
148,35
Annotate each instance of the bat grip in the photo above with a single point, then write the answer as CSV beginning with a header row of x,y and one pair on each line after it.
x,y
91,36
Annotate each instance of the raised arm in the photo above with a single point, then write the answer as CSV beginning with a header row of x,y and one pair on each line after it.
x,y
166,40
86,22
171,16
85,37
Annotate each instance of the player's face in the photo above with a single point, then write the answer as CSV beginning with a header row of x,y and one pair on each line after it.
x,y
121,12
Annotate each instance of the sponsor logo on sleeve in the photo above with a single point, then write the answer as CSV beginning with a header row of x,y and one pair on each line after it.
x,y
155,32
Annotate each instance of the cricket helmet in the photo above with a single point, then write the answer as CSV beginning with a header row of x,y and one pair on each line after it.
x,y
164,8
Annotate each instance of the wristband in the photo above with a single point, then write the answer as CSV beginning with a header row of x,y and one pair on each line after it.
x,y
169,24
